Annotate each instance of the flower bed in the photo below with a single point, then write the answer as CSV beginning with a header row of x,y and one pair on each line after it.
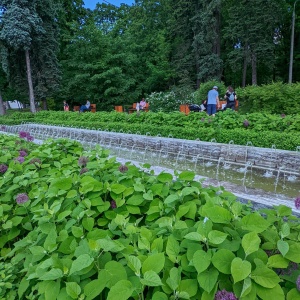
x,y
79,225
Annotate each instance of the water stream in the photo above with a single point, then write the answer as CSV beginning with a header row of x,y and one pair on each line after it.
x,y
267,170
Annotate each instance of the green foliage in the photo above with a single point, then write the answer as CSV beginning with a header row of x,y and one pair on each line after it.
x,y
164,102
262,130
275,98
201,93
111,234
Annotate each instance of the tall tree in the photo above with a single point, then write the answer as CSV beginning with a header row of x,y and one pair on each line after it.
x,y
249,30
207,39
20,21
29,27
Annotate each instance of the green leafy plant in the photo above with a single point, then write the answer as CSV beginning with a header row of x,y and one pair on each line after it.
x,y
87,227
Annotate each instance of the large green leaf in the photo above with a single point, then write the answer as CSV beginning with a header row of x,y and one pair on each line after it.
x,y
277,261
201,260
83,261
208,279
217,214
134,264
293,294
255,223
53,274
63,183
151,279
171,198
270,293
155,262
190,286
250,242
174,279
135,199
161,296
187,175
283,247
115,272
222,260
240,269
217,237
164,177
52,290
73,289
293,253
173,249
122,290
265,277
94,288
117,188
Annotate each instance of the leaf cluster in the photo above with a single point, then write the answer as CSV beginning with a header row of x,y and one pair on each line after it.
x,y
122,233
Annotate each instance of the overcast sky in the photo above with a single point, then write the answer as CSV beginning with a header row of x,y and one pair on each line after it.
x,y
92,3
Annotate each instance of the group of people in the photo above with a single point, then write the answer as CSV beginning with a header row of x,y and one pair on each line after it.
x,y
213,100
82,107
210,105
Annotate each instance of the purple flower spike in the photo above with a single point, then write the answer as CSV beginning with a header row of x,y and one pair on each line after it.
x,y
123,168
23,134
113,204
83,170
35,161
246,123
224,295
20,159
22,153
297,202
298,283
82,161
22,198
30,138
3,168
282,115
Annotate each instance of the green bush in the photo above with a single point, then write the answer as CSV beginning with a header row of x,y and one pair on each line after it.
x,y
201,93
262,129
275,98
79,225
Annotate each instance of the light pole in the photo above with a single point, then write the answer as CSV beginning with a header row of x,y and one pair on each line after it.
x,y
292,45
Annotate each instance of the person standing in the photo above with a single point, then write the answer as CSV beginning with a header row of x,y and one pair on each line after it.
x,y
231,97
66,106
212,101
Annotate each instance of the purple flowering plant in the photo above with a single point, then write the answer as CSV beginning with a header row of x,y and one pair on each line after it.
x,y
123,168
224,295
20,159
3,168
61,213
82,161
297,202
22,198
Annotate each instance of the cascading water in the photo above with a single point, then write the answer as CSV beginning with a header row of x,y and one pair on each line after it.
x,y
271,169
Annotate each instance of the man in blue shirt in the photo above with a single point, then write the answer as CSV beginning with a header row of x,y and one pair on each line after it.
x,y
212,101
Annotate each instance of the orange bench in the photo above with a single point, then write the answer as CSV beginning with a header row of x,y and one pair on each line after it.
x,y
133,108
92,108
222,105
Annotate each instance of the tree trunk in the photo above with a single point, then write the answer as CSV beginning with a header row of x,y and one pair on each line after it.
x,y
45,104
245,66
254,68
29,79
2,108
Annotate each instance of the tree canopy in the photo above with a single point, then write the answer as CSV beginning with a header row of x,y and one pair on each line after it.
x,y
116,55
